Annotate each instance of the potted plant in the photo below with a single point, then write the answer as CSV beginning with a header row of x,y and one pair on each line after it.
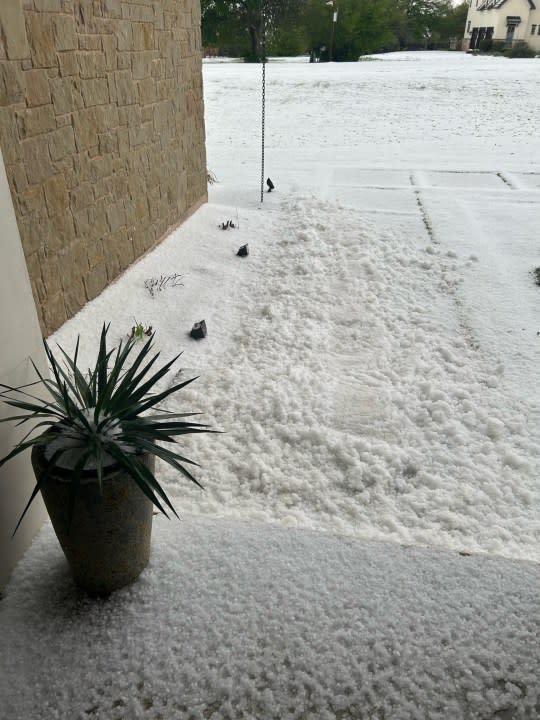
x,y
93,456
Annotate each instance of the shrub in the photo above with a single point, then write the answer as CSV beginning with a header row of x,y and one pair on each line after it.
x,y
520,49
485,45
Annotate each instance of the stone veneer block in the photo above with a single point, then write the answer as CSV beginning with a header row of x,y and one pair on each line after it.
x,y
95,92
12,28
65,34
48,5
62,95
37,159
56,194
11,84
92,65
35,121
40,32
62,143
67,62
37,88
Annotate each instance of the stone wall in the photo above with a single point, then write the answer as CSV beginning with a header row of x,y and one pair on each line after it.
x,y
102,131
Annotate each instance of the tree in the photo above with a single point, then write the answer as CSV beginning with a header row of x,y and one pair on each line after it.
x,y
362,26
288,41
428,23
237,24
367,26
452,24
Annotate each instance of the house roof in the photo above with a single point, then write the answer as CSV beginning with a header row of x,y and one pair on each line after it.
x,y
496,4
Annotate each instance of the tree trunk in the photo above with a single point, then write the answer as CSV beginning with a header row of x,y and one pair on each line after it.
x,y
254,38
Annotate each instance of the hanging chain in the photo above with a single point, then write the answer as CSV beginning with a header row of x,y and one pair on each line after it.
x,y
263,58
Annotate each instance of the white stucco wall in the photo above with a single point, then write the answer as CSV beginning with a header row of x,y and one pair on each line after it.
x,y
496,18
21,339
534,19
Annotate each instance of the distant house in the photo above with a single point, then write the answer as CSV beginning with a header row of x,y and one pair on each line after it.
x,y
506,20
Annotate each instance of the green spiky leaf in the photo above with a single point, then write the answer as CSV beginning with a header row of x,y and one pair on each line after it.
x,y
109,415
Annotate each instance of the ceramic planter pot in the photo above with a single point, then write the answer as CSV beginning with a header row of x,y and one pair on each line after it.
x,y
108,545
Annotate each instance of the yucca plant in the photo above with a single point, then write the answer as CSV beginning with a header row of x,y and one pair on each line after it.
x,y
103,418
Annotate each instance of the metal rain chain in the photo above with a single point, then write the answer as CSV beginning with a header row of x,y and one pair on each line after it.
x,y
263,61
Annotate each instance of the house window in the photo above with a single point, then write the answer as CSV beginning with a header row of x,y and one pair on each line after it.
x,y
469,26
533,29
538,33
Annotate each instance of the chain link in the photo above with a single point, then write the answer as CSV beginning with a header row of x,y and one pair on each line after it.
x,y
263,52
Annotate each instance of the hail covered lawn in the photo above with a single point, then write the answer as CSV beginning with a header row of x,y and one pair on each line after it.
x,y
373,364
